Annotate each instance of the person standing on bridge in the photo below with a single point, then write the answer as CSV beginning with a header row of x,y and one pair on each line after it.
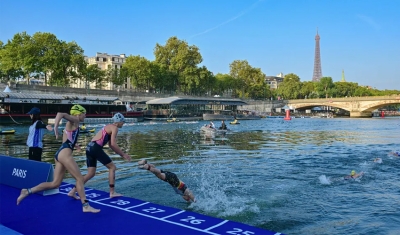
x,y
35,136
64,159
95,152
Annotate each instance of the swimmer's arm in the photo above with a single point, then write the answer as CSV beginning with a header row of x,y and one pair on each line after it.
x,y
58,118
359,174
66,116
114,146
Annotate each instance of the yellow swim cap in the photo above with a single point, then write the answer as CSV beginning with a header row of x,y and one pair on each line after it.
x,y
77,109
353,172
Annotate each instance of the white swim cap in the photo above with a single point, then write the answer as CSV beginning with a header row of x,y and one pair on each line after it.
x,y
118,118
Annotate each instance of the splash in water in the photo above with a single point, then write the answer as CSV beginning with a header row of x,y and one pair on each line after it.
x,y
221,194
324,180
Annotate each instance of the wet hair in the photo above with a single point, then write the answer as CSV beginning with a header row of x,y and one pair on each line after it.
x,y
36,117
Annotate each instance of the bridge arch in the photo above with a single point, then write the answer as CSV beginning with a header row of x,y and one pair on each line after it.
x,y
357,106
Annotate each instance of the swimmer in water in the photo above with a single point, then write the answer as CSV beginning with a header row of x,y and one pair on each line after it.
x,y
171,178
353,175
378,160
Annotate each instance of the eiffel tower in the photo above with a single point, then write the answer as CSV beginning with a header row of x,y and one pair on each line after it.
x,y
317,75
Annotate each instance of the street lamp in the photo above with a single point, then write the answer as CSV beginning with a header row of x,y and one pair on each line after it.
x,y
87,84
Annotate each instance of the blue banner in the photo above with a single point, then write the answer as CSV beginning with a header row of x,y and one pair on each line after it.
x,y
24,173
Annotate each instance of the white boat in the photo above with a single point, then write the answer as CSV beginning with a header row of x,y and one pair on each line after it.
x,y
207,129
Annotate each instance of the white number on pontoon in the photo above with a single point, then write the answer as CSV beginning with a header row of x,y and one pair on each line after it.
x,y
239,231
121,202
153,210
66,189
92,195
193,220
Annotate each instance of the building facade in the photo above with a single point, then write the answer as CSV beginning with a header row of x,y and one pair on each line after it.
x,y
274,81
105,62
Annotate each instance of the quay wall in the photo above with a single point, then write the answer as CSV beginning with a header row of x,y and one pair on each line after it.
x,y
123,95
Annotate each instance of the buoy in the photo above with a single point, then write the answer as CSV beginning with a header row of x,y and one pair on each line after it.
x,y
382,114
287,117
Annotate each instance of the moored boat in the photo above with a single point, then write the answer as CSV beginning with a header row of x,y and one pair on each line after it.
x,y
173,120
234,122
7,132
182,108
87,131
14,106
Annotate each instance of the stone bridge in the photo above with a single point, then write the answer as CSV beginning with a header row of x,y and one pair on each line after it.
x,y
357,106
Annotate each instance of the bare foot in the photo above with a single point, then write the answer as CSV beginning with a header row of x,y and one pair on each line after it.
x,y
112,195
88,208
24,193
72,194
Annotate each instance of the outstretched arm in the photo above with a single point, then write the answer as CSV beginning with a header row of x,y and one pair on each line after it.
x,y
41,125
150,167
114,146
58,118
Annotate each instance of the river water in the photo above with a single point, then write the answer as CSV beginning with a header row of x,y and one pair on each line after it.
x,y
284,176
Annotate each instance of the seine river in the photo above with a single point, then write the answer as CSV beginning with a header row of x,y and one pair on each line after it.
x,y
284,176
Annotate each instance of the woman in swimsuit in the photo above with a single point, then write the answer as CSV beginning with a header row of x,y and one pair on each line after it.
x,y
95,152
64,159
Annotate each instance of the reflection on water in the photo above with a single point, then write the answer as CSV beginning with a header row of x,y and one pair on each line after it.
x,y
285,176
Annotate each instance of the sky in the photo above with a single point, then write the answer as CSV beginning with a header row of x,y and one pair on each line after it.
x,y
359,37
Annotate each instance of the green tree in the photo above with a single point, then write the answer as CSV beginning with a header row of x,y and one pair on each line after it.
x,y
224,83
140,72
9,69
307,88
18,57
180,59
46,46
290,88
117,76
163,79
95,75
249,81
324,87
345,89
204,83
362,91
69,64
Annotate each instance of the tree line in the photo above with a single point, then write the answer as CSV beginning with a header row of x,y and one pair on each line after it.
x,y
176,69
293,88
